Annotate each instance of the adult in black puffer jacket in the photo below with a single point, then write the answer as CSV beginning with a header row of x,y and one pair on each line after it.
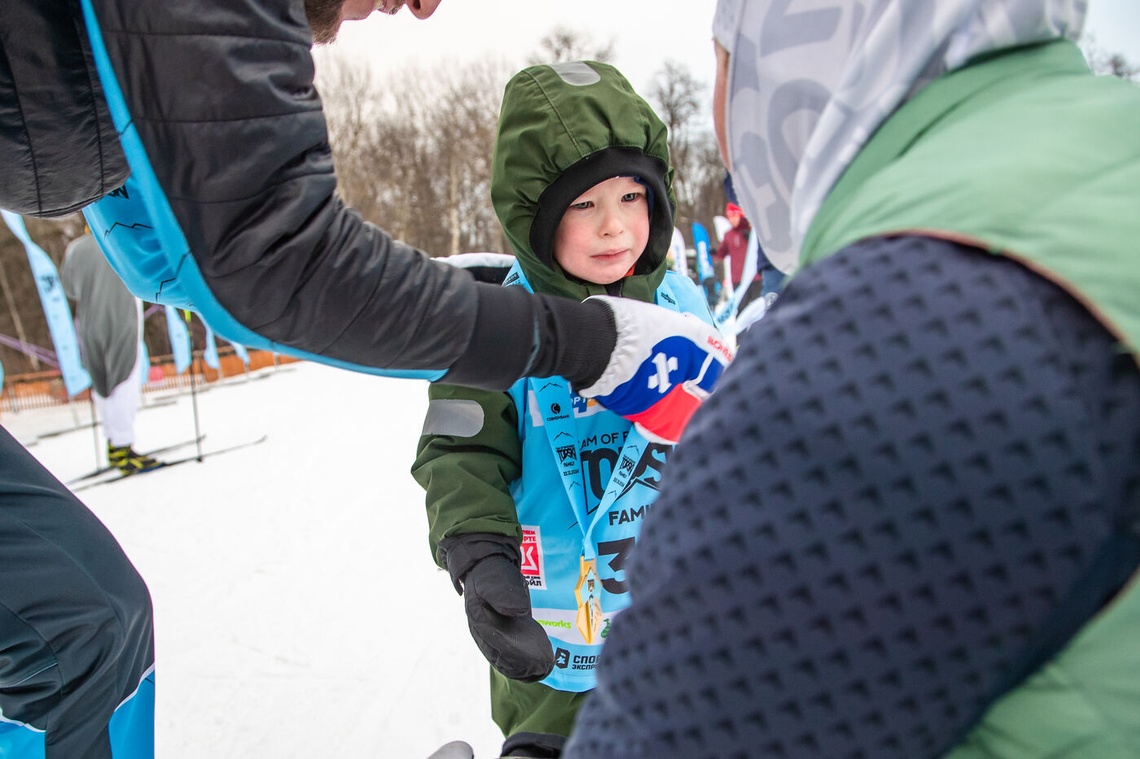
x,y
218,193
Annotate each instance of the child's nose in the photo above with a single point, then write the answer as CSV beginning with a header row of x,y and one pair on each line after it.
x,y
611,222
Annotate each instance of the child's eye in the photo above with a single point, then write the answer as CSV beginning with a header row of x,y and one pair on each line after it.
x,y
582,205
632,197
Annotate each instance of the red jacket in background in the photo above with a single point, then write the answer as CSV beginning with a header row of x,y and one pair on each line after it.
x,y
735,244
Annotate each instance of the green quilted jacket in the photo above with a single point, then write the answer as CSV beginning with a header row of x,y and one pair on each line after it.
x,y
1073,217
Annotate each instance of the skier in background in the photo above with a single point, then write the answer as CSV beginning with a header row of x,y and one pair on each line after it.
x,y
915,531
109,322
517,482
734,247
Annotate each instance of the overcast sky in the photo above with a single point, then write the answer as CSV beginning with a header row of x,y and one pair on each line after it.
x,y
645,33
1115,24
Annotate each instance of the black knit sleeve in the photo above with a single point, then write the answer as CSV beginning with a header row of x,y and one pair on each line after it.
x,y
222,96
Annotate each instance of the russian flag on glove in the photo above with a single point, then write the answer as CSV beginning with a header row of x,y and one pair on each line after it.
x,y
663,366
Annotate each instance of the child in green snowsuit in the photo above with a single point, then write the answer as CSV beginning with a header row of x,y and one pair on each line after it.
x,y
517,482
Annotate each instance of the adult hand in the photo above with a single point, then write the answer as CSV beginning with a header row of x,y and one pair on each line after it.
x,y
663,366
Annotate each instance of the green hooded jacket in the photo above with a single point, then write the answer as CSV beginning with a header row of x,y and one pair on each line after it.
x,y
562,129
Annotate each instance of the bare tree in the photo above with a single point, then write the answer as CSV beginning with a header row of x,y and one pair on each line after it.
x,y
467,117
23,313
698,180
14,314
415,159
1107,63
1116,65
356,114
566,44
351,98
706,175
387,176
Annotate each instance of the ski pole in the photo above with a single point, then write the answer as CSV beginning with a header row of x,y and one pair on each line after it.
x,y
94,428
193,386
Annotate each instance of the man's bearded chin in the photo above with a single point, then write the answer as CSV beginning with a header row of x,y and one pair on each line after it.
x,y
324,19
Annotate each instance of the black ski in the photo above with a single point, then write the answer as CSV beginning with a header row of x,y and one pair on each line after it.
x,y
163,449
117,477
89,425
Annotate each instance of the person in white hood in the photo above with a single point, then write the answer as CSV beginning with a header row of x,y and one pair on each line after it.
x,y
916,530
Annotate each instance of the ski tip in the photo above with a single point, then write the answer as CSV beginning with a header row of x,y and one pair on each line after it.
x,y
454,750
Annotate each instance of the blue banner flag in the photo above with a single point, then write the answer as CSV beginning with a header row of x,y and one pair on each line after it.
x,y
241,352
144,364
144,355
680,256
58,313
211,354
704,253
179,339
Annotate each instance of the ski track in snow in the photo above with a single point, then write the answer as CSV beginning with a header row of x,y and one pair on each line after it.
x,y
297,610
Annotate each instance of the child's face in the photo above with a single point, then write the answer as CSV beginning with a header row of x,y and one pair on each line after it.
x,y
604,231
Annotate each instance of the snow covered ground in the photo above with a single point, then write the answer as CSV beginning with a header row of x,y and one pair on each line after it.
x,y
298,612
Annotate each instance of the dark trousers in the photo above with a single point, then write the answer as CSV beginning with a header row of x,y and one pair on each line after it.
x,y
76,630
754,291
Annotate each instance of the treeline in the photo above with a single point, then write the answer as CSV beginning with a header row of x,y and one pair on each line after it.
x,y
416,156
413,156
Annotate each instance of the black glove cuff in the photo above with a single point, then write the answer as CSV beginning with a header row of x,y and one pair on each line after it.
x,y
541,745
585,335
461,552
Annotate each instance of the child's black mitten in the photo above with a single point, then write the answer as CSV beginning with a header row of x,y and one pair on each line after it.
x,y
485,569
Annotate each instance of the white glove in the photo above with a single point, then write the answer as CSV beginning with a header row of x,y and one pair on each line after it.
x,y
663,366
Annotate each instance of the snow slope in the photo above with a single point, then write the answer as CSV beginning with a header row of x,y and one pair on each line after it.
x,y
298,612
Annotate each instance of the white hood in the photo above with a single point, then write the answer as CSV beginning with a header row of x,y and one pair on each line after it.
x,y
811,80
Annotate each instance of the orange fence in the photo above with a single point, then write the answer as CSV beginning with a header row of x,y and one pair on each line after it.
x,y
43,389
